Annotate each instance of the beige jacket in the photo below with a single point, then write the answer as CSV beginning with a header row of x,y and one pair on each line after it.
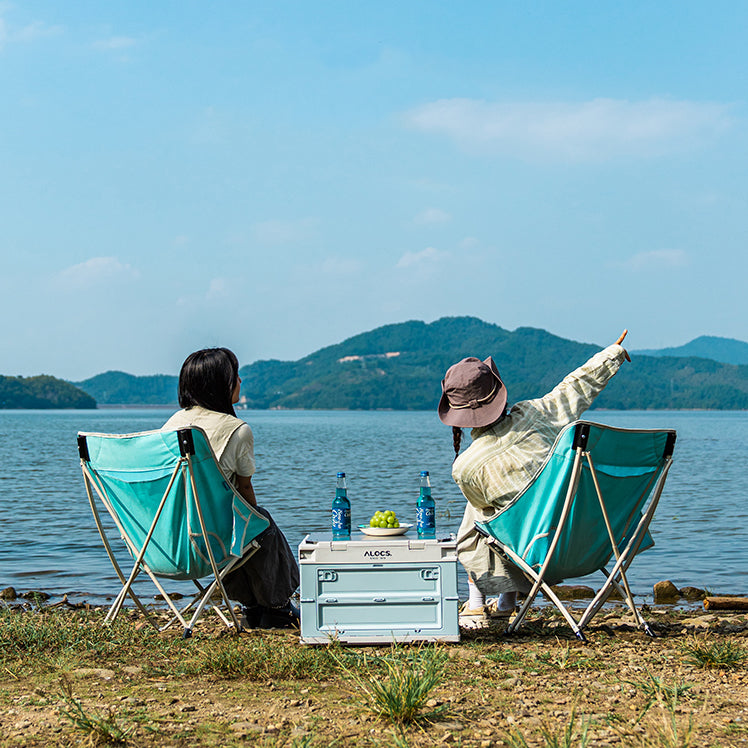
x,y
230,438
504,458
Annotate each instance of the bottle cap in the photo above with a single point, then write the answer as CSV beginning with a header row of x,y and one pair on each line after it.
x,y
341,475
424,472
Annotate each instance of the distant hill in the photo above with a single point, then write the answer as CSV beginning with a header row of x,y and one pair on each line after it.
x,y
400,367
726,350
42,392
119,388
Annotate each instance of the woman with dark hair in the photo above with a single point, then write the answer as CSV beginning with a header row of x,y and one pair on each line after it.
x,y
509,446
208,388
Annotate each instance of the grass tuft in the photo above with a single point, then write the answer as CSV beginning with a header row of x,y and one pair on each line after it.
x,y
567,659
656,690
409,679
670,732
56,637
99,730
706,653
258,657
570,736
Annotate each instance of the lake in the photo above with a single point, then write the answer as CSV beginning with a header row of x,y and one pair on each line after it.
x,y
48,540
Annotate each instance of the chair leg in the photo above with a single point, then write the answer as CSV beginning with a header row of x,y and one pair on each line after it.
x,y
575,627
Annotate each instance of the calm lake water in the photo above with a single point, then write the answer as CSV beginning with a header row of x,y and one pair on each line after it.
x,y
48,540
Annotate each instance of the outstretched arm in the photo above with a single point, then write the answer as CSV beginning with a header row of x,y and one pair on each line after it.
x,y
568,400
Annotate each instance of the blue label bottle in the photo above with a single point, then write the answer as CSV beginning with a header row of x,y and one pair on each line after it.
x,y
425,509
341,510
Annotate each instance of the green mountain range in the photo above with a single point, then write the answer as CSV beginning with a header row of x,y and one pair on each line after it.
x,y
726,350
400,367
42,392
119,388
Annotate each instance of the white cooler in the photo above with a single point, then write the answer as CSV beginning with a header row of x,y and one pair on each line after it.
x,y
370,590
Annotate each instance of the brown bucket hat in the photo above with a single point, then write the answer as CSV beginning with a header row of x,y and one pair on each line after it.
x,y
473,394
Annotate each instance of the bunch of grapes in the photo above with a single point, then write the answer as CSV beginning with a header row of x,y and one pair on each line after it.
x,y
384,519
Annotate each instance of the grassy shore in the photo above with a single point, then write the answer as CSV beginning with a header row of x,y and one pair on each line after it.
x,y
66,680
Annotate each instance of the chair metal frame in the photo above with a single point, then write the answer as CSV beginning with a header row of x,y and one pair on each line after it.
x,y
204,594
623,550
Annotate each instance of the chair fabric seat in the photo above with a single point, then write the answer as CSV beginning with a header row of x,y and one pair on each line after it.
x,y
135,469
174,509
565,534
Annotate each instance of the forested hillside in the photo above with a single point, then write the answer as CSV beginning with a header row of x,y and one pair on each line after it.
x,y
400,367
119,388
725,350
42,392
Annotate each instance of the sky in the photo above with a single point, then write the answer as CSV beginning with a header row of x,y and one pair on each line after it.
x,y
275,177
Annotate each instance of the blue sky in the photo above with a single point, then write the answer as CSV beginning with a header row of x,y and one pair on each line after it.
x,y
278,176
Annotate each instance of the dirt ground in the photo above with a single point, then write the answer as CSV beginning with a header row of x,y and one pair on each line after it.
x,y
540,687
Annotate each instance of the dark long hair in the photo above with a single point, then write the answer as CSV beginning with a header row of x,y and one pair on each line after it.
x,y
208,378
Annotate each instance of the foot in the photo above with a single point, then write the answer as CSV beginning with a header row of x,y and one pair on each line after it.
x,y
472,618
502,606
251,615
286,617
495,609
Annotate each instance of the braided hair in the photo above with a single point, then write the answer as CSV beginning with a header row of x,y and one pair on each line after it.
x,y
457,432
456,440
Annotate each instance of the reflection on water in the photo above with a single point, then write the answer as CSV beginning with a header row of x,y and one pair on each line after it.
x,y
48,538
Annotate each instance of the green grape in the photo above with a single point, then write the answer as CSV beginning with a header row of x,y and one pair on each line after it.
x,y
385,519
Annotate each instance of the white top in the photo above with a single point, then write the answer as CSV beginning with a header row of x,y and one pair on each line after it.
x,y
230,438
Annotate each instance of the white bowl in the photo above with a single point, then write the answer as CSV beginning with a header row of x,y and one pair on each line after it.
x,y
381,531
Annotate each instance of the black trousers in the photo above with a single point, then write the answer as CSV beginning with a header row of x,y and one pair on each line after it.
x,y
270,575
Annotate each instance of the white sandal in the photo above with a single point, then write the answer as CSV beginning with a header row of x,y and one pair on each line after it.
x,y
470,618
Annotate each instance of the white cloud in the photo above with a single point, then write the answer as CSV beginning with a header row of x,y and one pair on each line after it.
x,y
26,34
96,271
431,216
284,232
116,43
657,258
423,259
590,130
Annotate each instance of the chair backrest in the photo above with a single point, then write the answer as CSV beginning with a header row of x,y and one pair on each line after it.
x,y
176,471
627,464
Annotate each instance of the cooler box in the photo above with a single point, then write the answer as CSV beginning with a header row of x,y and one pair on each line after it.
x,y
371,590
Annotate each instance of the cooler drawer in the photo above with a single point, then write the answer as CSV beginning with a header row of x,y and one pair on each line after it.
x,y
373,603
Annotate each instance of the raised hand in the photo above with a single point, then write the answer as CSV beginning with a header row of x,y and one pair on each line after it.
x,y
620,341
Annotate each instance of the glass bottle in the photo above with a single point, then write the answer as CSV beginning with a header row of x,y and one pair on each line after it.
x,y
341,510
425,509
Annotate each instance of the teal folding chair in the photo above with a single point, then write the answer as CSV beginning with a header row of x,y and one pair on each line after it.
x,y
179,517
590,505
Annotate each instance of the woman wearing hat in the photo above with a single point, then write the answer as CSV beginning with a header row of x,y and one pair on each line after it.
x,y
509,446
